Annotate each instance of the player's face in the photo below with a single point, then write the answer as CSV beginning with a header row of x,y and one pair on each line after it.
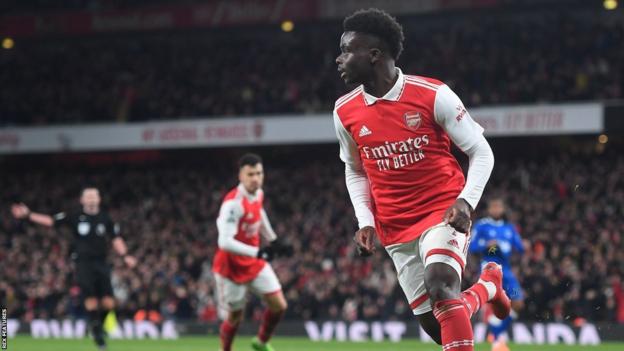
x,y
251,177
90,200
496,209
354,62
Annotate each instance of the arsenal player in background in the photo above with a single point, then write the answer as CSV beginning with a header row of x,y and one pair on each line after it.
x,y
395,132
240,264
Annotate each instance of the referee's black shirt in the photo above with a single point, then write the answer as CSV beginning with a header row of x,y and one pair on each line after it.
x,y
90,233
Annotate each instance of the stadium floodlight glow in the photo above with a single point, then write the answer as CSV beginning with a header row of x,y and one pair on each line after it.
x,y
610,4
603,139
288,26
8,43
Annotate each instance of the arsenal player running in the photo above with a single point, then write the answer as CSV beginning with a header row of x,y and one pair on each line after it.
x,y
395,133
240,264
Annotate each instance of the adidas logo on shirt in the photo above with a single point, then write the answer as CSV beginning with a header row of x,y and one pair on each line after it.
x,y
365,131
453,243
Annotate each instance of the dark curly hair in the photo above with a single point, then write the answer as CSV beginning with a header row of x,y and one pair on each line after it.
x,y
249,160
380,24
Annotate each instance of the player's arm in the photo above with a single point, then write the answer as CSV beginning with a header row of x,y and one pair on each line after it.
x,y
227,225
451,115
478,244
21,211
277,244
358,188
120,247
517,241
266,229
119,244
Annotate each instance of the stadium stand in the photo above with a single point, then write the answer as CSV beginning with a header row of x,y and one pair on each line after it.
x,y
513,57
568,207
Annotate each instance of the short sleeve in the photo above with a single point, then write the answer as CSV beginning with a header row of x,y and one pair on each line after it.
x,y
113,228
60,219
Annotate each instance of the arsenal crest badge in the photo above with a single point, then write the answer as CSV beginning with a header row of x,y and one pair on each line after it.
x,y
412,119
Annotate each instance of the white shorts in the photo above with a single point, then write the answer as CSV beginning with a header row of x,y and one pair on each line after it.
x,y
440,243
231,296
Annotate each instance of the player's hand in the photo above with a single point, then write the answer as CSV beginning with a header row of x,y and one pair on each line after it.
x,y
364,238
281,249
20,211
266,253
130,261
458,216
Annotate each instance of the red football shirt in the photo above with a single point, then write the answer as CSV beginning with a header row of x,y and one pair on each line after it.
x,y
401,142
246,211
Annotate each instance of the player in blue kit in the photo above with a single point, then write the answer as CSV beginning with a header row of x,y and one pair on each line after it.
x,y
495,239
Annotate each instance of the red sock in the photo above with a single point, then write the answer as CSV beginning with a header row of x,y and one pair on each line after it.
x,y
269,322
474,297
227,333
455,325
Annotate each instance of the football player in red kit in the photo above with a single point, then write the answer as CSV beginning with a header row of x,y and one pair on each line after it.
x,y
395,133
240,264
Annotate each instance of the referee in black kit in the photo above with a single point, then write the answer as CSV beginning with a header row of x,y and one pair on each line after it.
x,y
91,230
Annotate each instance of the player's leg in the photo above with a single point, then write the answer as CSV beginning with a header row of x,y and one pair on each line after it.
x,y
229,327
499,326
231,302
431,326
411,274
443,287
474,298
86,279
516,307
104,289
93,314
442,251
267,285
107,305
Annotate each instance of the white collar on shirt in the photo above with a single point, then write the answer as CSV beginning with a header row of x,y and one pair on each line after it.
x,y
393,94
250,197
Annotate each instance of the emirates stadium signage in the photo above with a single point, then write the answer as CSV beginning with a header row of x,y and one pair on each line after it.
x,y
320,331
283,129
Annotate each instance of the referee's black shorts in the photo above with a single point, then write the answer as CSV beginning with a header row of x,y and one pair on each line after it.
x,y
94,278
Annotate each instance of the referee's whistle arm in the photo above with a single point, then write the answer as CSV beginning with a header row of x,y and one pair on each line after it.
x,y
21,211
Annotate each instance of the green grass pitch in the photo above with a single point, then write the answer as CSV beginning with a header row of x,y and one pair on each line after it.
x,y
25,343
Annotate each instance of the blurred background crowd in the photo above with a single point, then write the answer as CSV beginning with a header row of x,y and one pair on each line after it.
x,y
567,207
510,57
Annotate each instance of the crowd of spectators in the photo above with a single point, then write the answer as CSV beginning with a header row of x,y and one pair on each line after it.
x,y
51,6
506,58
568,209
19,7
